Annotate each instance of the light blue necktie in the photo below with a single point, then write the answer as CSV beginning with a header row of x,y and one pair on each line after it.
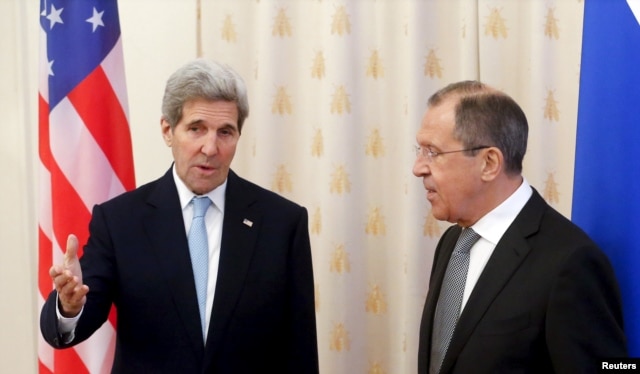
x,y
450,300
199,251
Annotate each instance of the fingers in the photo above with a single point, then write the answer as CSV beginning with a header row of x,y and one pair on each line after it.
x,y
67,279
62,278
72,298
71,292
69,273
55,271
71,261
71,255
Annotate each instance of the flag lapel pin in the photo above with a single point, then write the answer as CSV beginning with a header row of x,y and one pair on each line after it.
x,y
247,222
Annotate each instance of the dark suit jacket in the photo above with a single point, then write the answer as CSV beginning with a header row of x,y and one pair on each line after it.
x,y
137,257
547,301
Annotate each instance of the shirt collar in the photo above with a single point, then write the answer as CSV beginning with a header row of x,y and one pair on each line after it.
x,y
493,225
185,195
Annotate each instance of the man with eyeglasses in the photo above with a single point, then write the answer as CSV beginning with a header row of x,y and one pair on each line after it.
x,y
530,292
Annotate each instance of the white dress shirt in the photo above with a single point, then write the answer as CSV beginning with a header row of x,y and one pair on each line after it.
x,y
491,227
213,221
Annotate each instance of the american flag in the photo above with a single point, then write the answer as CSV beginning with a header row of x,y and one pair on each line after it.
x,y
84,148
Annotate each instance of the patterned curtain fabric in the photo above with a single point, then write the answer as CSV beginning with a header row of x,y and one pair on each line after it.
x,y
337,91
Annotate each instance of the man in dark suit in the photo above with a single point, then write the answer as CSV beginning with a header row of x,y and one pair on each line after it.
x,y
257,310
535,294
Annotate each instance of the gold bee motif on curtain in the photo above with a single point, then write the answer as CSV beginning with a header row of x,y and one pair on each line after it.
x,y
340,181
317,143
281,24
282,102
375,146
318,66
340,24
551,25
282,180
374,66
340,101
229,29
376,303
551,194
375,223
551,111
339,338
432,67
339,262
496,25
376,368
315,226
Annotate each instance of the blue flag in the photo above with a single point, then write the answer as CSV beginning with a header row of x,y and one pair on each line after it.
x,y
606,190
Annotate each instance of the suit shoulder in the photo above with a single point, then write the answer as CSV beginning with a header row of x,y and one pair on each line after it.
x,y
563,239
269,197
128,198
540,218
556,220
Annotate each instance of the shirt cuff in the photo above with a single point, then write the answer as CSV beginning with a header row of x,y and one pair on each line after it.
x,y
67,326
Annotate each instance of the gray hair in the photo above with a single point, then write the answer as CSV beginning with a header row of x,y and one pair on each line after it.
x,y
203,79
487,117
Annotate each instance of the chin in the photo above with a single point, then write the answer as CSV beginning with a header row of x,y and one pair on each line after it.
x,y
437,215
440,218
441,215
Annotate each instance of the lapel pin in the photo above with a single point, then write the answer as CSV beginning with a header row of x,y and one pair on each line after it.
x,y
247,222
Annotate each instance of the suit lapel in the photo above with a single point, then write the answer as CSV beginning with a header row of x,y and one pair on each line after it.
x,y
509,253
165,231
239,235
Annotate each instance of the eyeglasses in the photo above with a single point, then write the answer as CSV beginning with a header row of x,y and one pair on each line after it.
x,y
429,154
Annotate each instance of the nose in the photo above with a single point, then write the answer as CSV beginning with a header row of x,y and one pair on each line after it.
x,y
210,144
421,167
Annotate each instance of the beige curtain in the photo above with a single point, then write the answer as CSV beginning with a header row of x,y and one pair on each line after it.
x,y
337,91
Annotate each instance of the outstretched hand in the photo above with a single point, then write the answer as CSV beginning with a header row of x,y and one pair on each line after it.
x,y
67,279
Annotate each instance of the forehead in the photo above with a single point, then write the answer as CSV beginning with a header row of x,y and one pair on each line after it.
x,y
438,123
207,110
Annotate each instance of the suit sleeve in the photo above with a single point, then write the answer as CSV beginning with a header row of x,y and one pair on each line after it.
x,y
593,330
49,323
304,347
95,274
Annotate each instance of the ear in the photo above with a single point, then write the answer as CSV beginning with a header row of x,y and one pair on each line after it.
x,y
493,163
167,133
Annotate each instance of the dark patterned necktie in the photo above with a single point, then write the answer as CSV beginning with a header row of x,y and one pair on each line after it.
x,y
450,300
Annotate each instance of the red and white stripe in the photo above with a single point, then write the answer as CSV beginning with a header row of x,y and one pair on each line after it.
x,y
85,158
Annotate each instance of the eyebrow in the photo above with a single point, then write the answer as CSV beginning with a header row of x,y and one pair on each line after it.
x,y
194,122
428,145
199,121
229,126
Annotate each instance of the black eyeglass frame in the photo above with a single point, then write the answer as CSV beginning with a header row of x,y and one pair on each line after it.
x,y
429,154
